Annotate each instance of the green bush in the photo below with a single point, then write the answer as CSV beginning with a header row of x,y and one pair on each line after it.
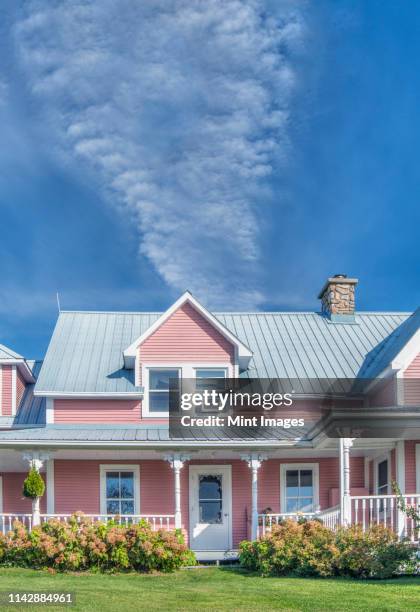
x,y
375,553
307,548
82,544
292,548
33,485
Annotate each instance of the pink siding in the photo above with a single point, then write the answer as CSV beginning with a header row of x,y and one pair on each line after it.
x,y
6,390
96,411
13,500
77,487
20,388
185,337
412,383
410,466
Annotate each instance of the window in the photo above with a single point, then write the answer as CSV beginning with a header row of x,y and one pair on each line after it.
x,y
120,489
382,477
211,379
299,487
210,500
119,493
159,388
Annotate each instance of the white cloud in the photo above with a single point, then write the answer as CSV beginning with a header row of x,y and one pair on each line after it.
x,y
182,109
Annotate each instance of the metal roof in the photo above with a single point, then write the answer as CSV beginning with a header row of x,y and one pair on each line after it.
x,y
153,433
85,354
7,353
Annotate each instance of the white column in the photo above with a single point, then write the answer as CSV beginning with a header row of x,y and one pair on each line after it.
x,y
36,460
345,501
177,463
400,478
254,461
50,487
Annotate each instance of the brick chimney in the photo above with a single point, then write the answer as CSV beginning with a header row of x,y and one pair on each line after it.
x,y
337,298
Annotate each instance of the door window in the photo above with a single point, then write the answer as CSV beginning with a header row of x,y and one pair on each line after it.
x,y
383,477
210,501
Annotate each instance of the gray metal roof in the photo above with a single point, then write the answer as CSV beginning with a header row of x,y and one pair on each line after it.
x,y
85,354
125,433
7,353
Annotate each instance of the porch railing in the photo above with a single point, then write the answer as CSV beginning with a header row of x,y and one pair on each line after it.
x,y
156,521
366,510
7,520
369,510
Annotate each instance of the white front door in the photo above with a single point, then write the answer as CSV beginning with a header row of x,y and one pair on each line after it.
x,y
210,507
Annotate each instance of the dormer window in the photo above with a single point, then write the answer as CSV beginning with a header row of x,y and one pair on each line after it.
x,y
158,389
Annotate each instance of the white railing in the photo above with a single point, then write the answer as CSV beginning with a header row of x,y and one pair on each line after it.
x,y
330,517
7,520
369,510
156,521
267,521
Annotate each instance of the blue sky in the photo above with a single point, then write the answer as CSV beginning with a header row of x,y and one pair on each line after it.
x,y
245,150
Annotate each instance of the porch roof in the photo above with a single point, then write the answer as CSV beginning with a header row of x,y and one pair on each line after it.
x,y
144,434
85,354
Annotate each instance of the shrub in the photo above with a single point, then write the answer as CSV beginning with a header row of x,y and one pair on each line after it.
x,y
375,553
33,485
81,544
292,548
308,548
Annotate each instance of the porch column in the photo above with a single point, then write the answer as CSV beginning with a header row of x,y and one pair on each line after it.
x,y
36,460
177,463
400,478
254,461
345,501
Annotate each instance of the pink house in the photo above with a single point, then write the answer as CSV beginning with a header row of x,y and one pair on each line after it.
x,y
93,418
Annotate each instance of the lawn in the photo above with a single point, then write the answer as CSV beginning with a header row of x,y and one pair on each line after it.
x,y
214,589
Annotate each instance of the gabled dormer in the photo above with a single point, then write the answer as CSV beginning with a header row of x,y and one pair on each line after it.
x,y
15,374
187,341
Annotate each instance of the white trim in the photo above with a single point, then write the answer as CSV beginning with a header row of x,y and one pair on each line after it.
x,y
14,384
186,370
376,462
299,466
400,465
417,467
1,390
366,478
408,353
1,493
23,366
90,394
49,410
50,486
244,353
210,469
118,467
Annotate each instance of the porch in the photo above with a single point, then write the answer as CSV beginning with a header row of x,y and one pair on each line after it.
x,y
218,497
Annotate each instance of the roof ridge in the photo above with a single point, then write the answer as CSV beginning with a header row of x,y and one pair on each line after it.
x,y
239,312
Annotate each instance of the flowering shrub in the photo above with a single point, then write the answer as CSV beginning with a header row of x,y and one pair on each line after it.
x,y
292,548
81,544
308,548
377,553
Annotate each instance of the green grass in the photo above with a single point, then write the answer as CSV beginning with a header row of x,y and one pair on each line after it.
x,y
213,589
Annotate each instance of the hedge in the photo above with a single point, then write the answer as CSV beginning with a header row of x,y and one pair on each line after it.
x,y
82,544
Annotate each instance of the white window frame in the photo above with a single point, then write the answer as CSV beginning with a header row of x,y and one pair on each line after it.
x,y
284,467
376,462
119,467
186,370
